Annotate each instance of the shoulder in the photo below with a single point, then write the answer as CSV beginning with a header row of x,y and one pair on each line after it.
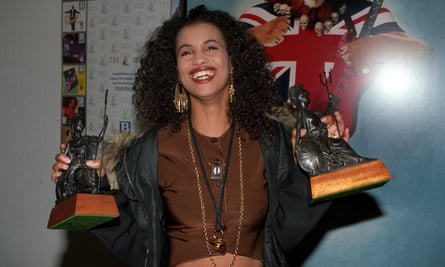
x,y
283,115
124,143
283,121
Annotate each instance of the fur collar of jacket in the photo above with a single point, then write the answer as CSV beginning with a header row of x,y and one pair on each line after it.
x,y
115,147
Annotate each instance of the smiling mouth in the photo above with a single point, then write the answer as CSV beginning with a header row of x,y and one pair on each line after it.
x,y
203,75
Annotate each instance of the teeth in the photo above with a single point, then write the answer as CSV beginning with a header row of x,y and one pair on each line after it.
x,y
202,75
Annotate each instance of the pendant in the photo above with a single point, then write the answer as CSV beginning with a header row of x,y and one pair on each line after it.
x,y
218,242
216,170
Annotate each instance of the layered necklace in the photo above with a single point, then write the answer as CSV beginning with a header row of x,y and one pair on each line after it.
x,y
217,242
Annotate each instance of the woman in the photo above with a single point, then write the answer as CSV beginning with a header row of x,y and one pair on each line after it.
x,y
69,110
212,182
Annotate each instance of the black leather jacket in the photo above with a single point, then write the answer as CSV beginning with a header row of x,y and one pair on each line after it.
x,y
138,236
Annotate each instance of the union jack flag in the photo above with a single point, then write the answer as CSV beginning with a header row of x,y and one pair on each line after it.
x,y
303,56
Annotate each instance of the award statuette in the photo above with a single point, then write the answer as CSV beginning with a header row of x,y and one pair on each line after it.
x,y
334,168
83,199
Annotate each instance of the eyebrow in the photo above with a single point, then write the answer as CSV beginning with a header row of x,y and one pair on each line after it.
x,y
205,42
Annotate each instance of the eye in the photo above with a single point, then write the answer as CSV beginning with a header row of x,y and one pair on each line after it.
x,y
184,53
211,48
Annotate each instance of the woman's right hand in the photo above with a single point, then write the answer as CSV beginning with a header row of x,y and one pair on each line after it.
x,y
272,32
63,162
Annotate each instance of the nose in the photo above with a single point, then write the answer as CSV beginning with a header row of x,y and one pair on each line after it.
x,y
200,59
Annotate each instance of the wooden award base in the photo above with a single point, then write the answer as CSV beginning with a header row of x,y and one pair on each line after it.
x,y
83,211
348,180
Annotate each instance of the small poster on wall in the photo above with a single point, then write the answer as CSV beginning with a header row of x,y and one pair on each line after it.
x,y
74,16
74,62
74,47
73,79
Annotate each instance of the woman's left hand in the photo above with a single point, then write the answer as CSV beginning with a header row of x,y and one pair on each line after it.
x,y
336,126
336,129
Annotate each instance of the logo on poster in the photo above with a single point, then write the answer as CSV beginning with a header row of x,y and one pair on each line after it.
x,y
125,126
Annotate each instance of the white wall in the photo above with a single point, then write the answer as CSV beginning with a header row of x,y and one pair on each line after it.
x,y
29,104
30,61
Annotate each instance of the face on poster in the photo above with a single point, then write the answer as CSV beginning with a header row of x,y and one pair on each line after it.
x,y
334,49
73,79
74,16
74,47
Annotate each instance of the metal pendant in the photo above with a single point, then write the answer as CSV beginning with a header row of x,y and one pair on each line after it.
x,y
216,170
218,242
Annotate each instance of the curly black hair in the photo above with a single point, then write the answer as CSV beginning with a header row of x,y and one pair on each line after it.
x,y
255,91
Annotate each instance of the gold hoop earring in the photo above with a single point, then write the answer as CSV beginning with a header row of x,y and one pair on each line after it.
x,y
180,100
231,88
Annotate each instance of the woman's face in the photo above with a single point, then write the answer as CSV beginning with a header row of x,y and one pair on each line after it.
x,y
72,103
203,62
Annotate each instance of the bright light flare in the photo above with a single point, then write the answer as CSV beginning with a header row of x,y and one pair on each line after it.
x,y
395,80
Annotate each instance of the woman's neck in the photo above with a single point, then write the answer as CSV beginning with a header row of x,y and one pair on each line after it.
x,y
210,120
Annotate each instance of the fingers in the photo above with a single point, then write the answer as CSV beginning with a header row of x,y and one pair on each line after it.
x,y
62,148
57,168
339,120
333,131
62,158
336,126
271,32
277,36
55,176
96,164
346,135
345,55
62,163
281,23
329,120
358,56
93,164
280,29
294,142
351,55
294,137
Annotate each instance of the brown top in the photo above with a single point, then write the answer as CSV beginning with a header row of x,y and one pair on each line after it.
x,y
178,184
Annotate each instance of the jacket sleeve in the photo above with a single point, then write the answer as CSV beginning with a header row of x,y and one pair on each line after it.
x,y
137,236
123,236
293,216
